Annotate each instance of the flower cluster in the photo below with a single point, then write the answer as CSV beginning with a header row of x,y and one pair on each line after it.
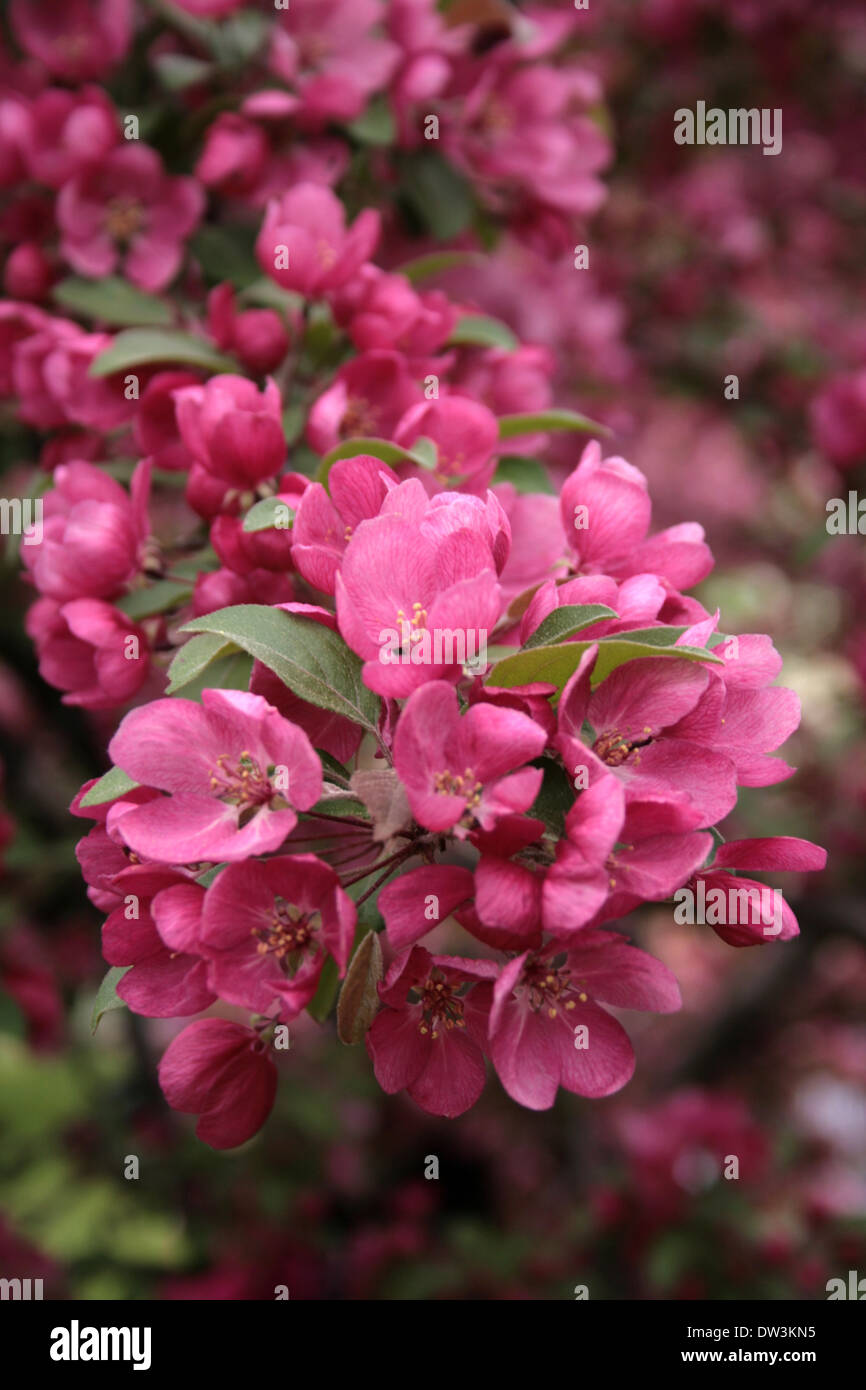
x,y
403,729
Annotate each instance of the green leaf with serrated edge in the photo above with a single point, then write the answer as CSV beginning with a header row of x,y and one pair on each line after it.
x,y
113,301
311,659
113,784
193,658
524,474
564,622
479,330
142,347
231,670
106,996
157,598
554,665
546,421
265,515
422,267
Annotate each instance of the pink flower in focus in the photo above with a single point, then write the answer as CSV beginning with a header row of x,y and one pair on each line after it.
x,y
222,1072
465,434
168,978
269,927
235,769
324,524
538,1006
429,1039
459,771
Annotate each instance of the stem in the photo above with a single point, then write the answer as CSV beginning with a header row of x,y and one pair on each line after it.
x,y
373,886
341,820
388,864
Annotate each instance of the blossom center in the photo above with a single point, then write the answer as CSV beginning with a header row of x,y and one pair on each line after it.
x,y
244,785
289,934
124,218
440,1006
462,784
614,749
550,987
359,418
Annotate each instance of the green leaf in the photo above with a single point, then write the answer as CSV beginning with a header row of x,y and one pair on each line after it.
x,y
177,71
547,420
439,196
422,267
141,347
479,330
313,661
157,598
265,515
322,1001
375,126
564,622
379,448
12,1021
194,657
524,474
555,664
228,254
112,300
555,797
106,996
424,452
111,785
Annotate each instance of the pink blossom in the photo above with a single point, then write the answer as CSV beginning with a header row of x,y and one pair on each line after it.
x,y
838,417
369,396
460,771
782,852
257,336
326,52
154,428
68,132
51,375
94,534
268,928
90,650
235,769
127,213
465,434
222,1072
324,524
234,156
309,223
83,39
404,579
432,1045
233,429
538,1006
153,929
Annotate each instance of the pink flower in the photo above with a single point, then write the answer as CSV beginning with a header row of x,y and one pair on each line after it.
x,y
547,1028
234,430
222,1072
90,650
429,1040
51,374
268,928
326,53
369,396
234,156
155,425
304,245
409,582
94,534
126,213
69,132
385,311
154,929
744,919
324,524
465,434
82,39
459,771
605,509
235,769
28,272
632,715
257,336
223,588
